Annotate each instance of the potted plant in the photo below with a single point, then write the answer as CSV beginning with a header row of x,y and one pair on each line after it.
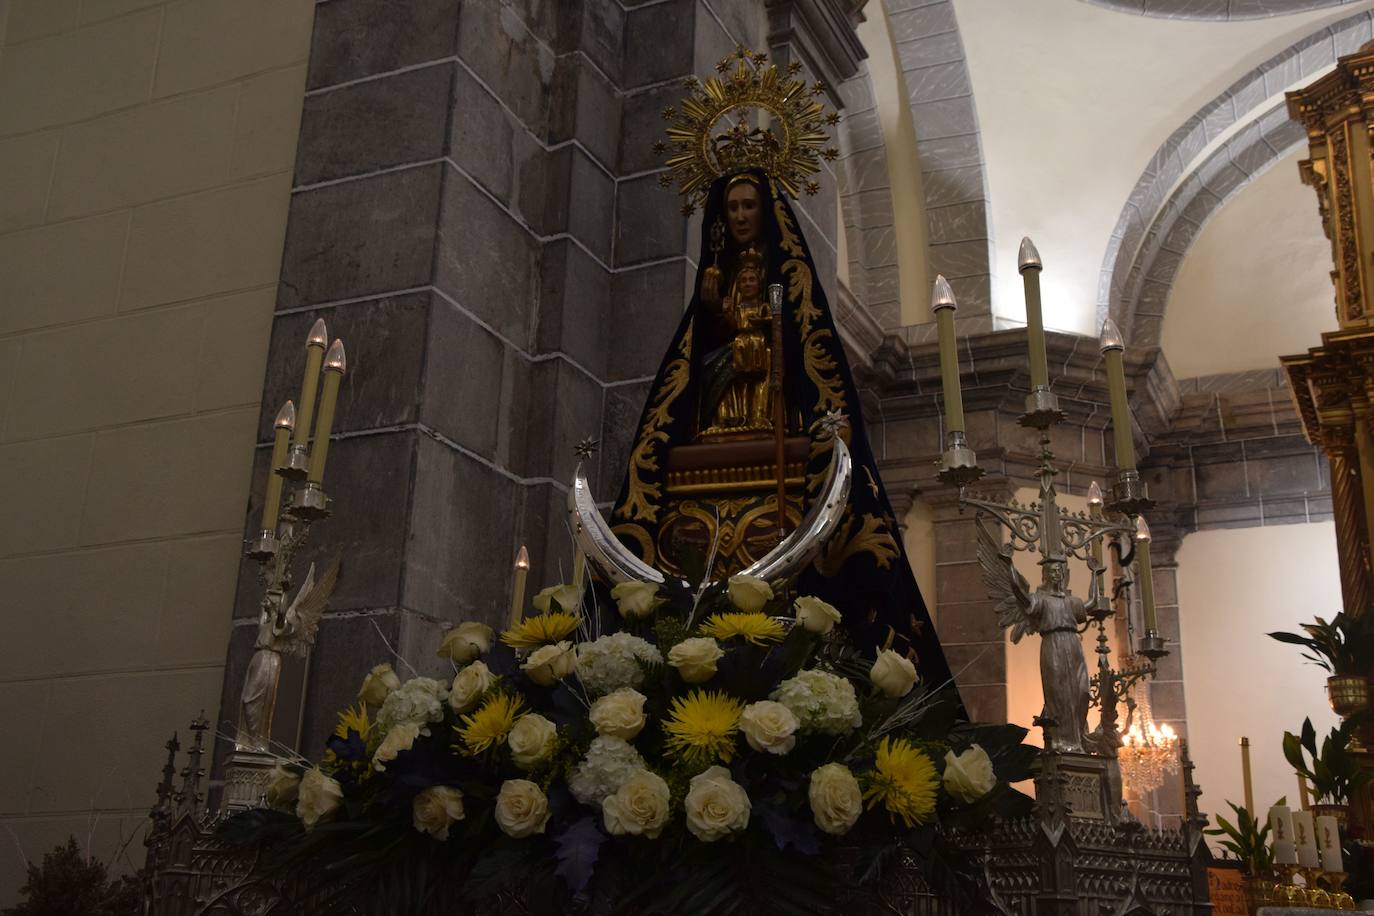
x,y
1248,840
1334,773
1345,648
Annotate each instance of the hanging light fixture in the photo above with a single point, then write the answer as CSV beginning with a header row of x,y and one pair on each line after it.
x,y
1148,752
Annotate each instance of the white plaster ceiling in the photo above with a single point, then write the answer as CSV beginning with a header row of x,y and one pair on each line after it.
x,y
1073,100
1256,282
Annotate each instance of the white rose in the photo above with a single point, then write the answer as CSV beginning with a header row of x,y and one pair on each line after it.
x,y
435,809
532,740
400,738
319,797
893,674
639,808
469,685
695,659
637,599
816,616
969,776
378,684
550,663
769,726
749,594
716,805
466,641
283,787
619,713
521,809
836,799
567,597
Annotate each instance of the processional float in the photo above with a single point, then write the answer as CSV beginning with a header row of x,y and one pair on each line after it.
x,y
750,459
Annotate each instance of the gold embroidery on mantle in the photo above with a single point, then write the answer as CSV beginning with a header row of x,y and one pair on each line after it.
x,y
641,500
821,369
799,291
790,243
872,537
743,529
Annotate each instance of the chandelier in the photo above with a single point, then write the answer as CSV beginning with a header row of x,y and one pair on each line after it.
x,y
1148,752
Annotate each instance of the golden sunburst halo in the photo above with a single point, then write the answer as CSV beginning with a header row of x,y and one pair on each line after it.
x,y
489,725
541,629
758,629
703,726
904,781
788,142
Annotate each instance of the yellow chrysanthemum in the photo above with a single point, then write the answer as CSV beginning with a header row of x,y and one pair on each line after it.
x,y
904,780
702,727
354,718
541,630
756,628
489,725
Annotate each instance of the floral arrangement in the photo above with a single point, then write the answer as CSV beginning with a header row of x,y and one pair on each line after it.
x,y
658,750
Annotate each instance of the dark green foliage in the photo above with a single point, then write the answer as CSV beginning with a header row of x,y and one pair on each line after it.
x,y
1335,774
1343,646
70,884
1247,839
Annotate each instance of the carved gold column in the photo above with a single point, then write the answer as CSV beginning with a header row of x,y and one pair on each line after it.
x,y
1333,384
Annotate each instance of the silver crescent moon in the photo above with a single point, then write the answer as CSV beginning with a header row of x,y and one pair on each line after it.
x,y
617,563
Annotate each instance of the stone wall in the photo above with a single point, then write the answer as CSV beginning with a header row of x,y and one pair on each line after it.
x,y
145,160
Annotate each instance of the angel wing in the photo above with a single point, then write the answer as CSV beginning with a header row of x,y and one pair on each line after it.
x,y
305,611
1005,585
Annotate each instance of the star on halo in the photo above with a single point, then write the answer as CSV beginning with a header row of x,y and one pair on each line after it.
x,y
587,448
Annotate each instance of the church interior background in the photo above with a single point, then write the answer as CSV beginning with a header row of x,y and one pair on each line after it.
x,y
467,193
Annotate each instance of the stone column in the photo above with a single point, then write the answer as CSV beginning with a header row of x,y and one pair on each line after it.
x,y
973,642
476,212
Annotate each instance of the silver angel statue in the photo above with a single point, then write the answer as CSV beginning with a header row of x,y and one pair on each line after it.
x,y
1055,614
292,633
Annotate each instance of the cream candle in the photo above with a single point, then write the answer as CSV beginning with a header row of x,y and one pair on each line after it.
x,y
1305,838
335,364
1113,352
315,344
1245,775
517,592
281,442
1029,265
1281,834
1145,573
1329,842
942,303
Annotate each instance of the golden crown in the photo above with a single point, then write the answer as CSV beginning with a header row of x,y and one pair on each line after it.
x,y
788,147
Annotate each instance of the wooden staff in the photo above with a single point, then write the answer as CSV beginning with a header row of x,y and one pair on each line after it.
x,y
779,409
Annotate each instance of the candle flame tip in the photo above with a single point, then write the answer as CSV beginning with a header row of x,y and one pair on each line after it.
x,y
1094,494
1142,530
286,417
942,296
1110,338
1028,258
336,359
319,335
522,558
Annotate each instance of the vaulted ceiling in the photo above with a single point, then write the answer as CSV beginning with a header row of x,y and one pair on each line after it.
x,y
1118,134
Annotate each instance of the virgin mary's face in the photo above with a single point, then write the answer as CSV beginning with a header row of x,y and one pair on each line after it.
x,y
743,211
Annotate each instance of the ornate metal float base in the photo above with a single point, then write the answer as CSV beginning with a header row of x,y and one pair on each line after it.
x,y
1079,854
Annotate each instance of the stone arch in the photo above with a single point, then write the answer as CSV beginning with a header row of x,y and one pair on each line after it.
x,y
867,218
930,55
1219,150
1217,9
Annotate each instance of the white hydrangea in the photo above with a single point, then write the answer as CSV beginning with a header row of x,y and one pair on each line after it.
x,y
612,662
609,763
419,700
823,702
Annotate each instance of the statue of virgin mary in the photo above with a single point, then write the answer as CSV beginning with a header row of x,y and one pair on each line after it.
x,y
705,404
